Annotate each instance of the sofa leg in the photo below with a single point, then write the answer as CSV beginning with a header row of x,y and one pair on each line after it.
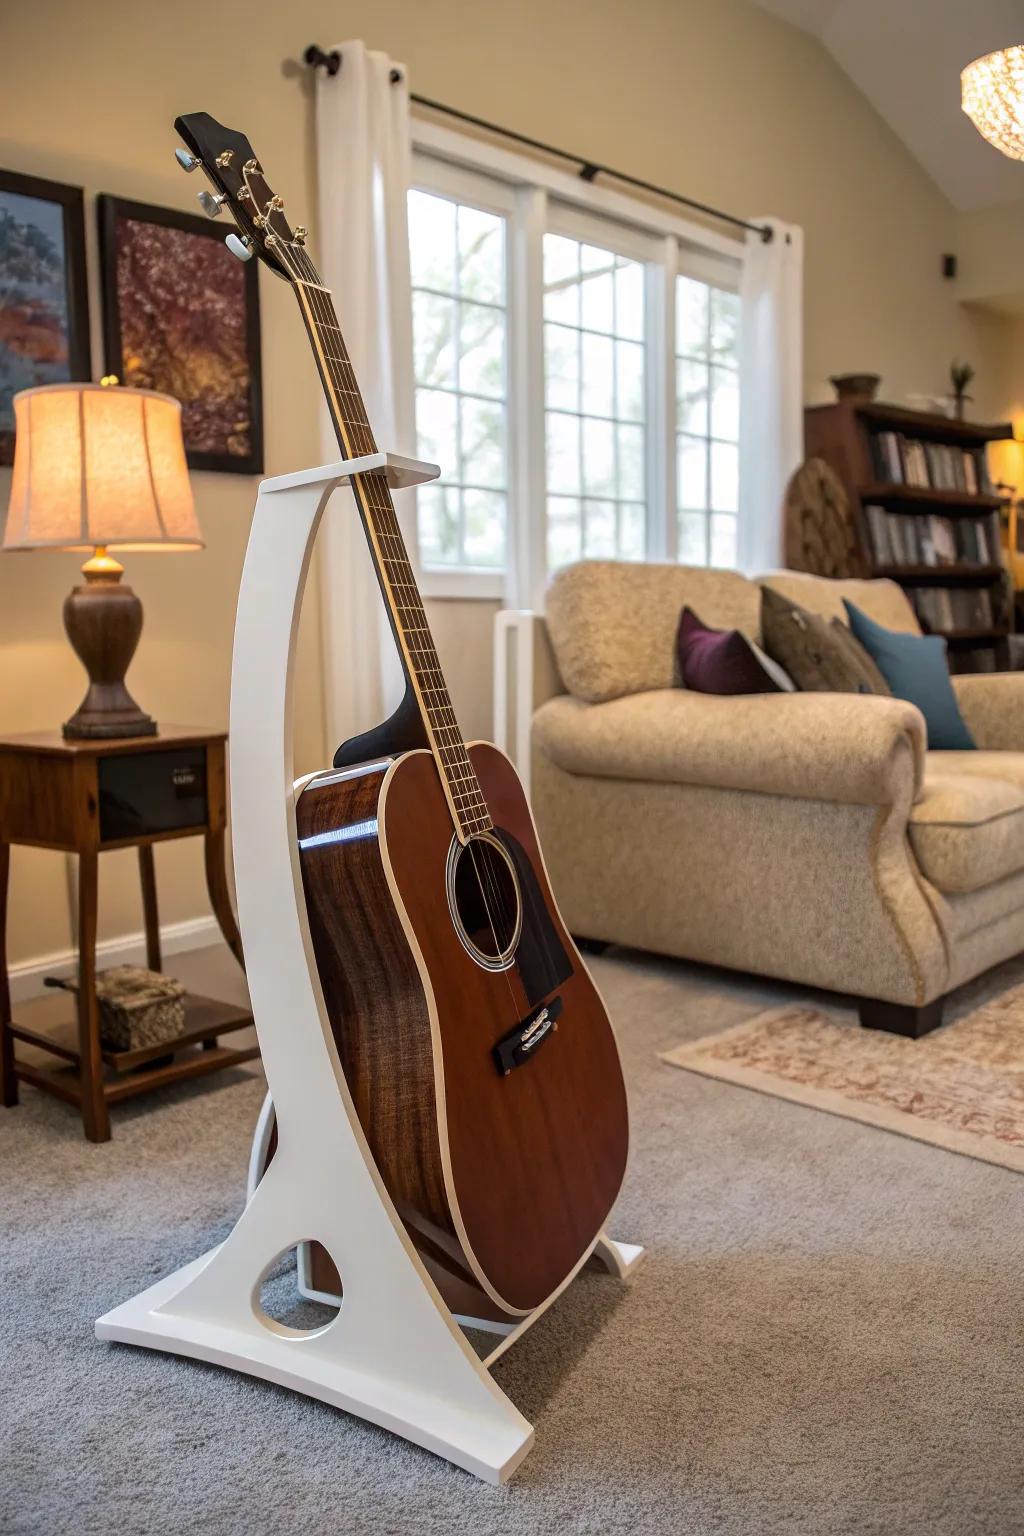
x,y
901,1018
590,946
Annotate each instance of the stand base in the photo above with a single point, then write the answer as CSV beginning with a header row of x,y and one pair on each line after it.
x,y
489,1444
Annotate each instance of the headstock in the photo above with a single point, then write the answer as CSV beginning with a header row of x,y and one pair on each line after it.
x,y
228,160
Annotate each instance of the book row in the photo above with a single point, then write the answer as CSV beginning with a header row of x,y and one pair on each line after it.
x,y
899,538
935,466
947,610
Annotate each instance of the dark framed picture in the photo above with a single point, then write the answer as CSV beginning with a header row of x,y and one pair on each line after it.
x,y
44,301
182,315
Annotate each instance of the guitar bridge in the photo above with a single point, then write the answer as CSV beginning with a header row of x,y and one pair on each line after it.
x,y
515,1048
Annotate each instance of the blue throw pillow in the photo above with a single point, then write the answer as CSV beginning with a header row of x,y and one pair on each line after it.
x,y
916,669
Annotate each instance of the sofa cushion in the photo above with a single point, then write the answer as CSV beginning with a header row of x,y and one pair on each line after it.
x,y
916,668
613,624
849,748
723,661
882,600
967,829
819,654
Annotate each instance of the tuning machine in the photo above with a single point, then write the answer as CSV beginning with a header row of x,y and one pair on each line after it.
x,y
187,161
239,245
212,202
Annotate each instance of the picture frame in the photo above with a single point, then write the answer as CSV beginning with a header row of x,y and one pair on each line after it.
x,y
181,314
44,295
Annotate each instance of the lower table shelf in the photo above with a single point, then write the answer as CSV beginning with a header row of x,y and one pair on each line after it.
x,y
195,1052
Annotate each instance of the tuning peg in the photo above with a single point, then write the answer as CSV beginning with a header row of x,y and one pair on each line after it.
x,y
187,161
239,245
300,234
212,202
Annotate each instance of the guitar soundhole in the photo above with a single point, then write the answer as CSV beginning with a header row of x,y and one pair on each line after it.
x,y
484,900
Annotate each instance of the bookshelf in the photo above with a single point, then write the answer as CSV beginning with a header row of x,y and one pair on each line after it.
x,y
925,515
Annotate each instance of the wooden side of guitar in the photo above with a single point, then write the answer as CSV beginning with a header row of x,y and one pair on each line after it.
x,y
502,1182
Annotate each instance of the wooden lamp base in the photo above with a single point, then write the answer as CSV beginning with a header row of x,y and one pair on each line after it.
x,y
103,620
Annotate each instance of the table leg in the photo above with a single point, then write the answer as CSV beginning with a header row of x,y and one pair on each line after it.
x,y
220,900
8,1079
147,877
95,1115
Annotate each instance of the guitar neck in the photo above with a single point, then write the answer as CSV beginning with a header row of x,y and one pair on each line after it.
x,y
391,562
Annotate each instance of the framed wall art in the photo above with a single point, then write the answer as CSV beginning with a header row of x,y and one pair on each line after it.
x,y
182,315
44,301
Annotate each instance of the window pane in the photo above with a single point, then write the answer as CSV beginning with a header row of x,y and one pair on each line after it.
x,y
599,540
434,320
484,534
563,433
483,443
598,374
598,457
561,367
457,258
691,472
693,538
629,364
629,300
482,350
631,463
691,317
632,530
481,255
561,279
708,418
692,396
432,241
435,430
725,477
564,530
597,299
438,516
595,393
725,404
725,326
723,539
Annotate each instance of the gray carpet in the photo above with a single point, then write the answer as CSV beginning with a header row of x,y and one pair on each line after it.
x,y
826,1335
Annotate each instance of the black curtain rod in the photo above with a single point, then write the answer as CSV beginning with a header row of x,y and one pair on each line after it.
x,y
589,170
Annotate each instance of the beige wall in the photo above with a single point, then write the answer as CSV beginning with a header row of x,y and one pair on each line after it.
x,y
711,96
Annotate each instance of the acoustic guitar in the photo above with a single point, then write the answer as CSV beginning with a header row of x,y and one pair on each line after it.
x,y
478,1053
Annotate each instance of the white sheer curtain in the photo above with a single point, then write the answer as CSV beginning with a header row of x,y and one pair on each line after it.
x,y
363,159
771,384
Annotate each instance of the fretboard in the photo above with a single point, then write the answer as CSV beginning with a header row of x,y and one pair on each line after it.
x,y
391,560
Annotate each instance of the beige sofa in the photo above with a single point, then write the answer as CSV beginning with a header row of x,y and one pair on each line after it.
x,y
806,836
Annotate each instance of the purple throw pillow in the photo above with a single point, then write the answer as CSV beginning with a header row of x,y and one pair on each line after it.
x,y
719,660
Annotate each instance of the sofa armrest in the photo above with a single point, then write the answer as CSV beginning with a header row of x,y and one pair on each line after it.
x,y
857,749
992,703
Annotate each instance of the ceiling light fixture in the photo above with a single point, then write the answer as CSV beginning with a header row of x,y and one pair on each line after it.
x,y
992,95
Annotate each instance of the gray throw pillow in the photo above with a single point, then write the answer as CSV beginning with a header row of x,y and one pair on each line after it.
x,y
820,655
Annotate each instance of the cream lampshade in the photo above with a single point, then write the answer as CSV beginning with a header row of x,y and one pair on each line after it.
x,y
992,95
98,468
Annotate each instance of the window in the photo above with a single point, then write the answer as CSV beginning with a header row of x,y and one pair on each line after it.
x,y
577,376
707,422
595,410
459,343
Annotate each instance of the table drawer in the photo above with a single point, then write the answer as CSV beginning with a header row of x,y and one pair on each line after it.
x,y
142,793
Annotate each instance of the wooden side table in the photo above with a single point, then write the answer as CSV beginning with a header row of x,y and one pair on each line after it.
x,y
86,797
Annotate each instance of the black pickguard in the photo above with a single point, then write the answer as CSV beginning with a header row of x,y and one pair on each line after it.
x,y
541,959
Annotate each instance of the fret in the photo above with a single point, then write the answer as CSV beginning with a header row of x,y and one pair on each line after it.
x,y
387,547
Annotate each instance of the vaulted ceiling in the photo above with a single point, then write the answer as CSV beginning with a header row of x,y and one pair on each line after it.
x,y
906,57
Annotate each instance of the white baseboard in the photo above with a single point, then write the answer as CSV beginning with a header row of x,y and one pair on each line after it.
x,y
128,949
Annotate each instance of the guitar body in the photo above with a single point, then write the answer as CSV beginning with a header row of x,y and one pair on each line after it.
x,y
503,1169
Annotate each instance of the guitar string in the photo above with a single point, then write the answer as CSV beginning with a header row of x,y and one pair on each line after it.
x,y
360,435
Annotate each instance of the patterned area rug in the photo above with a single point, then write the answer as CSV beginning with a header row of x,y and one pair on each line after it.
x,y
961,1088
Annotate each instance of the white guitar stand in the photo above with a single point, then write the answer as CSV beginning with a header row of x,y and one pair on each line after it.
x,y
393,1354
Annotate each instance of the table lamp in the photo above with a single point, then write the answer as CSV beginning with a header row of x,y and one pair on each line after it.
x,y
100,468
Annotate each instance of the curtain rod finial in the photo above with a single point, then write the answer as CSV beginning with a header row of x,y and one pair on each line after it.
x,y
315,56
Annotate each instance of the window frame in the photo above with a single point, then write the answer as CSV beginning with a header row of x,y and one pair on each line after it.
x,y
536,198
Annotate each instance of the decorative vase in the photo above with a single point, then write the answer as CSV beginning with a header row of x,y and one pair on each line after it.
x,y
855,386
